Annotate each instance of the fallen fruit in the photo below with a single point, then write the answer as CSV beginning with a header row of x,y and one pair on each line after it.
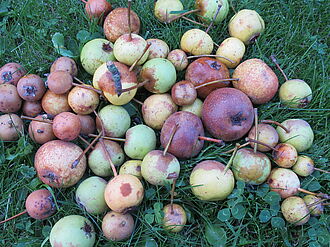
x,y
196,42
9,98
117,226
295,211
175,218
11,127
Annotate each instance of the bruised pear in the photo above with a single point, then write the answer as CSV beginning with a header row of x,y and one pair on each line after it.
x,y
183,93
178,58
87,124
257,80
56,163
83,101
159,169
123,193
285,156
31,108
233,49
116,23
175,218
295,93
11,127
196,42
227,114
66,126
209,8
246,25
266,134
95,53
11,73
40,204
132,167
283,181
156,109
304,166
59,82
160,73
204,70
90,195
117,226
127,49
98,161
31,87
300,134
54,104
295,210
250,167
106,77
163,9
72,230
157,49
140,140
187,127
41,132
314,205
97,8
65,64
10,100
210,182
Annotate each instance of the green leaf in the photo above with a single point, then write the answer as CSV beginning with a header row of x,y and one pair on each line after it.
x,y
264,216
314,186
278,222
314,244
46,230
272,198
150,218
224,214
149,242
215,235
262,190
150,193
66,53
240,185
58,40
274,209
83,36
26,171
312,233
238,211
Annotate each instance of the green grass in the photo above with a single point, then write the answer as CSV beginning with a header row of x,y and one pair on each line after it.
x,y
296,31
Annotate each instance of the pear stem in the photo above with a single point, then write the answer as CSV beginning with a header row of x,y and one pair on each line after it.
x,y
320,170
256,129
322,195
75,163
129,20
204,138
172,195
317,202
216,44
85,141
109,138
232,158
37,120
272,57
87,87
276,123
195,22
137,60
326,204
216,81
170,139
182,15
214,18
137,101
104,147
261,143
240,146
135,86
197,56
13,217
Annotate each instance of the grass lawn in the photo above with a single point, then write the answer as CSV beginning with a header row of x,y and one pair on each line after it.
x,y
296,31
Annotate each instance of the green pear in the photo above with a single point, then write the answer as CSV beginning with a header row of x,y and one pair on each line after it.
x,y
140,140
295,93
209,8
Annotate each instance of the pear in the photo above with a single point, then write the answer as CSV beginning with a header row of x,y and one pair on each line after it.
x,y
196,42
209,8
295,93
140,140
246,25
233,49
195,108
295,210
163,9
